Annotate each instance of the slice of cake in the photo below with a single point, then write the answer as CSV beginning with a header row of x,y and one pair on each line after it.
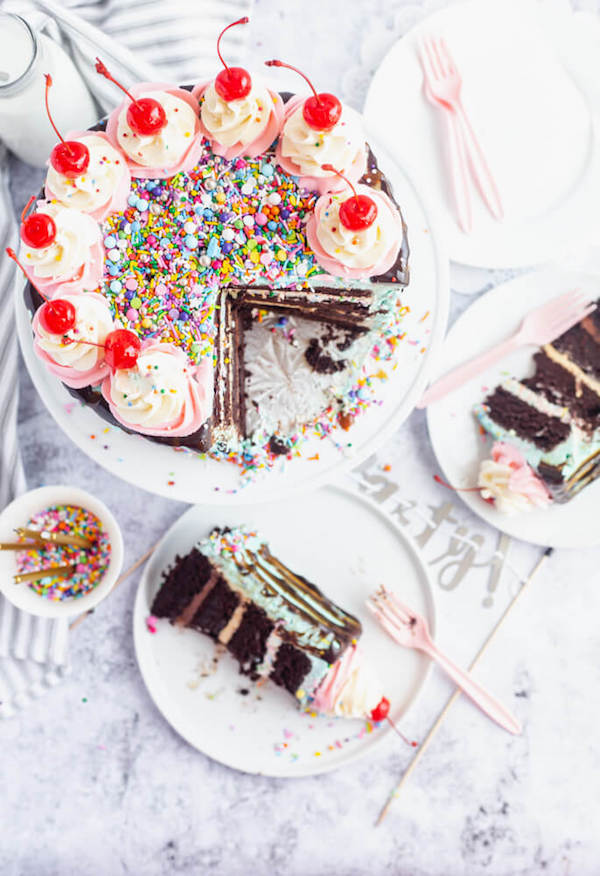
x,y
553,417
275,623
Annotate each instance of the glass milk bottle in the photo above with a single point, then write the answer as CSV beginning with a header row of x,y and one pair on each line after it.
x,y
24,58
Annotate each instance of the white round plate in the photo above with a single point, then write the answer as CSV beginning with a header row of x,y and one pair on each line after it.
x,y
455,434
347,546
532,119
189,478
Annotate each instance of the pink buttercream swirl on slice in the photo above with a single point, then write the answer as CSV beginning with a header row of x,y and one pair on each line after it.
x,y
92,317
183,162
348,689
383,240
321,184
510,482
163,394
116,202
255,147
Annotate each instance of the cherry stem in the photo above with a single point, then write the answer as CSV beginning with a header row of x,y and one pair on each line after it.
x,y
101,69
48,79
412,744
243,20
12,255
26,207
331,169
276,63
440,480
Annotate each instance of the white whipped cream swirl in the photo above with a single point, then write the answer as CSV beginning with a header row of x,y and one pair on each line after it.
x,y
95,187
351,689
93,322
154,392
309,149
167,146
357,249
76,233
236,121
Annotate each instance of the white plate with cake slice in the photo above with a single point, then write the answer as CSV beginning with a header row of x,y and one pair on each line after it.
x,y
456,435
347,547
529,72
190,477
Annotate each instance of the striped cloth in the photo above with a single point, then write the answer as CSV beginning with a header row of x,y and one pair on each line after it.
x,y
141,40
33,651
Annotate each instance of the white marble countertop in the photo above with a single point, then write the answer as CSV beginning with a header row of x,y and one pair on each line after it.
x,y
94,781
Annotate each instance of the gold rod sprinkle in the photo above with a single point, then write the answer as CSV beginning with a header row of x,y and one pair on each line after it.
x,y
50,572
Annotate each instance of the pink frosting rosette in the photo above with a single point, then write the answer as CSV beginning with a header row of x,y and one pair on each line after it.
x,y
116,200
191,155
86,276
163,395
509,482
76,352
320,184
388,218
257,146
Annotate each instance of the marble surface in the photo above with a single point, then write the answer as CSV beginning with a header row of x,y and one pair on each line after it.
x,y
94,781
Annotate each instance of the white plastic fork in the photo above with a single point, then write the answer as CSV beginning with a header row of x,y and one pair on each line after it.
x,y
411,630
541,326
445,84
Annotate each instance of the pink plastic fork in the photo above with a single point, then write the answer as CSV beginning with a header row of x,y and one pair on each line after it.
x,y
411,630
457,165
541,326
445,85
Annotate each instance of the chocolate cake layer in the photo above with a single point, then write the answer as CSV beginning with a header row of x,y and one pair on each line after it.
x,y
514,414
561,387
229,406
350,308
582,344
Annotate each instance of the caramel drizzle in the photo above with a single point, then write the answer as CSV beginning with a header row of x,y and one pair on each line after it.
x,y
280,581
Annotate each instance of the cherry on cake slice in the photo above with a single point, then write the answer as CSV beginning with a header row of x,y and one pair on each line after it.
x,y
552,418
274,622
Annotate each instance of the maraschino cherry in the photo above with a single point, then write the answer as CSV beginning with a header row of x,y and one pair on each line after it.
x,y
321,111
145,115
121,349
232,83
69,157
57,315
358,212
381,710
37,230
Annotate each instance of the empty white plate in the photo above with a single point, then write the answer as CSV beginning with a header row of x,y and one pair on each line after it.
x,y
531,116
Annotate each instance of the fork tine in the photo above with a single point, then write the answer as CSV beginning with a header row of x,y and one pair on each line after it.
x,y
439,58
433,71
447,55
395,608
383,608
563,325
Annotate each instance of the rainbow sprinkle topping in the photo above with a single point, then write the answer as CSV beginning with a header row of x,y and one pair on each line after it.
x,y
90,564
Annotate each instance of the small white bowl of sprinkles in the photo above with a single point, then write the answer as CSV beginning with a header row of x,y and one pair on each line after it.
x,y
61,551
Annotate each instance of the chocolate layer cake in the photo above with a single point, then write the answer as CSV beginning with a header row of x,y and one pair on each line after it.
x,y
274,622
553,417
